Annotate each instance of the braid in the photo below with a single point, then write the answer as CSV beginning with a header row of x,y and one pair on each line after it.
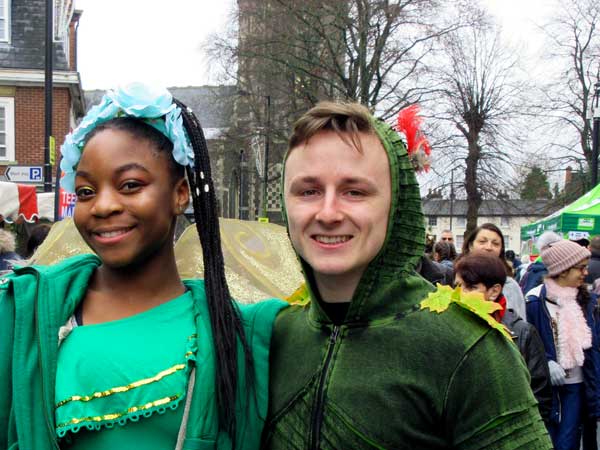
x,y
225,318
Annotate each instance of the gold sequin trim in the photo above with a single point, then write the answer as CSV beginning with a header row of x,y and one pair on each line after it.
x,y
119,389
115,416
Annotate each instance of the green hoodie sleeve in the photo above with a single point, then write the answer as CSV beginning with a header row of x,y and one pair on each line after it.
x,y
484,411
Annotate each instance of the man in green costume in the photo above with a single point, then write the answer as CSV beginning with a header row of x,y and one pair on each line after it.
x,y
362,365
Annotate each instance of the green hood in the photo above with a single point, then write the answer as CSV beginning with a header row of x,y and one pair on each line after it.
x,y
393,269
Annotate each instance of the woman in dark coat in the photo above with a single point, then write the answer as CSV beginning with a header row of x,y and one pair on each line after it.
x,y
485,273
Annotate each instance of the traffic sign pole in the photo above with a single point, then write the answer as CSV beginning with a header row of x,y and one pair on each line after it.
x,y
48,92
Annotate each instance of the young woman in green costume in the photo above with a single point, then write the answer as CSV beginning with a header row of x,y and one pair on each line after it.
x,y
114,350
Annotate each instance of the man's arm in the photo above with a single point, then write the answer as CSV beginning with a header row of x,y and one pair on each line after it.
x,y
489,403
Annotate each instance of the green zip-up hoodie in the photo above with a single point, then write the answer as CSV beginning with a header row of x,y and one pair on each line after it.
x,y
393,376
36,301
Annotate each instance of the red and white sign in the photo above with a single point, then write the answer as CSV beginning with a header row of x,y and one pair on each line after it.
x,y
18,201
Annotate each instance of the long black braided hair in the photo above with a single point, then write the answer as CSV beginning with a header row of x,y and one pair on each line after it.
x,y
225,318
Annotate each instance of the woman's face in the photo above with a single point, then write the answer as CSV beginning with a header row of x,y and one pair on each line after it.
x,y
126,199
574,277
487,241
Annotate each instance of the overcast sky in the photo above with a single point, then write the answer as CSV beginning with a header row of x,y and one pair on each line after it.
x,y
160,42
146,40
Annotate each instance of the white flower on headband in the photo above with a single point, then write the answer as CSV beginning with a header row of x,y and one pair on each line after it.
x,y
133,100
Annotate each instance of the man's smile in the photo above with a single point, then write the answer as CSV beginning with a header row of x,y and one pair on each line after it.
x,y
323,239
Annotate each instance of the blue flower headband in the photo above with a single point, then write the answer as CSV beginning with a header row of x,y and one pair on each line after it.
x,y
135,100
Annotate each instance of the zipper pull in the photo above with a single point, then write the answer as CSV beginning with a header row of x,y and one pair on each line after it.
x,y
334,334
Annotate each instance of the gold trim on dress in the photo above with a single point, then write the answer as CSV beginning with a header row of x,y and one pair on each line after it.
x,y
86,398
114,416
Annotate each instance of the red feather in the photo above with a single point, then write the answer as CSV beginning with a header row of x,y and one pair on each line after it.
x,y
409,123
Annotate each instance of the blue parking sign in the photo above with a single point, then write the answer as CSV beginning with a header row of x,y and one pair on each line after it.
x,y
35,173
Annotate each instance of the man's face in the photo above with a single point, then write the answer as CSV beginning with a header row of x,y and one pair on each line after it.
x,y
447,237
338,202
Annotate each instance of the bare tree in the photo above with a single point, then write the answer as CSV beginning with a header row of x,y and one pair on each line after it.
x,y
369,51
291,54
575,45
480,98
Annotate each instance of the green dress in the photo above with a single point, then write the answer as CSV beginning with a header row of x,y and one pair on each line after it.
x,y
122,384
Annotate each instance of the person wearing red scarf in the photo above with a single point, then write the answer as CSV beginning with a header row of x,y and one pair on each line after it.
x,y
486,273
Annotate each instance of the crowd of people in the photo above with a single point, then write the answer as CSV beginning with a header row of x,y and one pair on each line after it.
x,y
113,350
10,255
552,312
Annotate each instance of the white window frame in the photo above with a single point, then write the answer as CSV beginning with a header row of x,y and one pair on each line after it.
x,y
8,103
62,15
6,36
432,221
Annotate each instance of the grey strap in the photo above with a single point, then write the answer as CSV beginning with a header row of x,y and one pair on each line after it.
x,y
186,411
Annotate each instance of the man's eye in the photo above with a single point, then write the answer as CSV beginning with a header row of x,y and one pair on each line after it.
x,y
309,192
355,193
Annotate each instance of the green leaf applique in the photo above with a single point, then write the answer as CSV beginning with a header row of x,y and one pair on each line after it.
x,y
439,301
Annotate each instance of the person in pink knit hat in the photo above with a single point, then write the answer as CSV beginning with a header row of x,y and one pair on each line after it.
x,y
565,316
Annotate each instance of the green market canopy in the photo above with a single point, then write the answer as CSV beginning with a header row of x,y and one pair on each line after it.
x,y
580,219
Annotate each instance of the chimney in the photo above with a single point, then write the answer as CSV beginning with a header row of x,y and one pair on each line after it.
x,y
73,39
568,175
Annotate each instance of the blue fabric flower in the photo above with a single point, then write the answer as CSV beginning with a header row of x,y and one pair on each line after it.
x,y
182,149
139,100
136,100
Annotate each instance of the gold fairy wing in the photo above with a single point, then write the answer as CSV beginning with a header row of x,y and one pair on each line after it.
x,y
62,241
259,260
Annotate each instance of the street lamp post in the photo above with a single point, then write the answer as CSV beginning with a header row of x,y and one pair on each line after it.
x,y
48,96
265,177
451,195
241,182
266,162
595,133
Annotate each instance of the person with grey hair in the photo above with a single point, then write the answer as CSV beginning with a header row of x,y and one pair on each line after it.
x,y
534,275
447,236
7,250
594,267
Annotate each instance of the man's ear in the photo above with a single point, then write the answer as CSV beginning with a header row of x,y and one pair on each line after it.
x,y
181,195
494,292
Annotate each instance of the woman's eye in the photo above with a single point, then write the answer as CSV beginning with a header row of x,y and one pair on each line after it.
x,y
131,186
84,192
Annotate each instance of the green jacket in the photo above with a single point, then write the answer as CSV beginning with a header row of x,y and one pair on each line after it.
x,y
36,301
393,376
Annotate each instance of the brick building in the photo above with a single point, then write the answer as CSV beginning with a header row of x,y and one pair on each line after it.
x,y
22,62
